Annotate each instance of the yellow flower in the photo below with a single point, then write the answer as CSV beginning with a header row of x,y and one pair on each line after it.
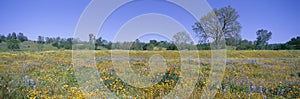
x,y
167,81
66,87
79,96
46,92
72,89
43,97
115,86
35,92
70,96
32,97
60,96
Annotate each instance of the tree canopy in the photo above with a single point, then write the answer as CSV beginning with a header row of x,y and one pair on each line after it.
x,y
218,25
263,36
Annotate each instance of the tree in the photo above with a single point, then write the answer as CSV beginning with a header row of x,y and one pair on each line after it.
x,y
204,46
57,39
49,40
172,47
40,42
2,38
263,36
294,43
108,45
216,29
63,43
9,36
136,45
182,37
153,42
22,38
117,45
148,46
13,35
98,42
91,41
245,45
13,44
56,44
182,40
68,43
163,44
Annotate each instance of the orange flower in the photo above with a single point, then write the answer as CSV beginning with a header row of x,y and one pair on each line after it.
x,y
296,87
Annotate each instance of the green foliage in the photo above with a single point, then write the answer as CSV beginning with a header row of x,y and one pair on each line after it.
x,y
136,45
66,44
153,44
3,47
22,38
99,42
33,46
172,47
294,43
245,45
102,43
205,46
2,38
13,44
180,41
13,35
263,36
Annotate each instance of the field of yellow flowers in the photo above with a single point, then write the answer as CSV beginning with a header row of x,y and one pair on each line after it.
x,y
53,75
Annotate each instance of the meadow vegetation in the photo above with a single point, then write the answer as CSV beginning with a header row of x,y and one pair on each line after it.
x,y
51,74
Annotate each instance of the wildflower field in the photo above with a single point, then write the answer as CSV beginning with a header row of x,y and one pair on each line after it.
x,y
52,74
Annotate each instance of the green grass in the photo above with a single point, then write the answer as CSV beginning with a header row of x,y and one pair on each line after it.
x,y
28,46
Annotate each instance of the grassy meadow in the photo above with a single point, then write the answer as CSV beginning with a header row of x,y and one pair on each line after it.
x,y
54,75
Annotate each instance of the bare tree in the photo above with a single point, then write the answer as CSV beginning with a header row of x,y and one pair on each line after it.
x,y
218,25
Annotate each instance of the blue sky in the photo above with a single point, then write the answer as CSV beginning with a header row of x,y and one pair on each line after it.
x,y
54,18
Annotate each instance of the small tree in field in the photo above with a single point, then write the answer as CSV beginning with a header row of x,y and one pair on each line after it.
x,y
13,44
263,36
40,42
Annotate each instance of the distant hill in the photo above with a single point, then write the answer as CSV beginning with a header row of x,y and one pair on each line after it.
x,y
28,46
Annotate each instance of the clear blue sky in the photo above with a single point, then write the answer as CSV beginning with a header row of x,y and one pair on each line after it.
x,y
54,18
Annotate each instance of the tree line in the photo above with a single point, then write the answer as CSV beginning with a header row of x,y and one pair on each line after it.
x,y
14,40
219,27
